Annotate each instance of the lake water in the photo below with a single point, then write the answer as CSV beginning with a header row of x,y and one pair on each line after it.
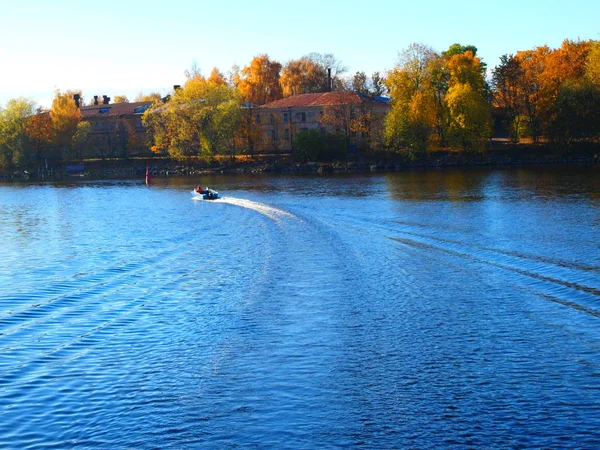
x,y
422,309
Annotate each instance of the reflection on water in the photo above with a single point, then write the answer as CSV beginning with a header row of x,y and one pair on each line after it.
x,y
422,309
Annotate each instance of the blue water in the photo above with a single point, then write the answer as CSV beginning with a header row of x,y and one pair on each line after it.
x,y
425,309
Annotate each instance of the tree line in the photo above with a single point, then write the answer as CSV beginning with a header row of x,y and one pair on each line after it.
x,y
445,100
442,100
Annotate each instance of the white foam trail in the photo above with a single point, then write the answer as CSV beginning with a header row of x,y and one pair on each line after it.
x,y
269,211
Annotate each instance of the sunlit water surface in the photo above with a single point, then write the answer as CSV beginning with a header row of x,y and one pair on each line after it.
x,y
428,309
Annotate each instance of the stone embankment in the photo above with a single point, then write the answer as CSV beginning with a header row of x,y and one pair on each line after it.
x,y
166,168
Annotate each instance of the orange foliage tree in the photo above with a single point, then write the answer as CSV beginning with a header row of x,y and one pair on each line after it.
x,y
40,133
258,82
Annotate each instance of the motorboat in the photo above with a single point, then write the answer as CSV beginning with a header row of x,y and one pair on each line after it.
x,y
206,193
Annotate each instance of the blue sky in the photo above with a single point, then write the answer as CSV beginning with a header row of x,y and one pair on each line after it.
x,y
131,46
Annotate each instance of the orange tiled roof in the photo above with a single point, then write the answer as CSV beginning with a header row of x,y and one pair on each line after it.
x,y
114,109
320,99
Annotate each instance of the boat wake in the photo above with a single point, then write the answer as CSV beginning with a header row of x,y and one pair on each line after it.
x,y
262,208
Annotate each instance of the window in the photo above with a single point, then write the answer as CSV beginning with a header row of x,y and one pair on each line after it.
x,y
286,134
141,109
271,118
285,117
301,116
258,118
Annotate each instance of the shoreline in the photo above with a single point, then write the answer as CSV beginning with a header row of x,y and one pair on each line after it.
x,y
161,168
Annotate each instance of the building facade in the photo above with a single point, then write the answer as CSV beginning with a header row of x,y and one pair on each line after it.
x,y
357,117
116,130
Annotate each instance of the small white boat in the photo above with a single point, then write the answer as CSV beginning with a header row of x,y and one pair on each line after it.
x,y
205,193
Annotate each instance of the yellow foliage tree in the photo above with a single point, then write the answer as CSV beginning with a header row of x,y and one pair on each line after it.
x,y
152,97
470,116
199,119
411,122
65,116
592,65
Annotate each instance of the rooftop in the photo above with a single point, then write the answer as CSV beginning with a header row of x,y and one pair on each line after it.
x,y
114,109
320,99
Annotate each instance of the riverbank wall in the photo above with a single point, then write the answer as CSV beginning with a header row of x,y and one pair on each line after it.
x,y
285,163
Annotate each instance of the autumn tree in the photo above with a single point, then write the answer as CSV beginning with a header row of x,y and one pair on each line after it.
x,y
470,112
507,80
592,65
437,99
121,99
200,119
14,148
533,63
259,81
152,97
303,76
65,116
348,115
40,133
310,74
411,120
216,77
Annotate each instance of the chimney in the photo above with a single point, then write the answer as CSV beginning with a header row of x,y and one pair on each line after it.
x,y
76,97
95,99
106,100
329,87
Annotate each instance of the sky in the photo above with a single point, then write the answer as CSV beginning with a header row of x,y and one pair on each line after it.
x,y
125,47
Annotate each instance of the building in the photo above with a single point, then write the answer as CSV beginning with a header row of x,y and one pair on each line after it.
x,y
358,117
116,129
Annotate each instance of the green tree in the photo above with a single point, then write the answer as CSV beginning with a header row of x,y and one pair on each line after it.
x,y
377,84
312,145
15,150
81,139
359,83
577,116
